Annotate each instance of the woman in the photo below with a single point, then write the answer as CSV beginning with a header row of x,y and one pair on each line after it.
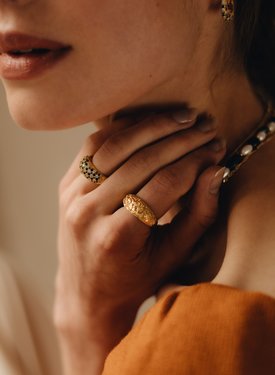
x,y
174,88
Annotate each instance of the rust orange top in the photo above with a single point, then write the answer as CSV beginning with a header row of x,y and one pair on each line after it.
x,y
206,329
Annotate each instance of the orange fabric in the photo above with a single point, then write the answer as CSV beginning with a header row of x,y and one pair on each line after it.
x,y
206,329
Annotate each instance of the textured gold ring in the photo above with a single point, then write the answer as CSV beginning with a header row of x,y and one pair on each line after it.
x,y
89,170
136,206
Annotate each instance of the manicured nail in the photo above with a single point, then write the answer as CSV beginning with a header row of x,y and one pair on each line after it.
x,y
185,117
217,145
216,182
206,126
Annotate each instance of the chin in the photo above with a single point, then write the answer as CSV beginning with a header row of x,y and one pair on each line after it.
x,y
46,115
49,105
33,119
43,114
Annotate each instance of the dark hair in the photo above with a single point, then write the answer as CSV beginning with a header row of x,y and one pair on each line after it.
x,y
255,42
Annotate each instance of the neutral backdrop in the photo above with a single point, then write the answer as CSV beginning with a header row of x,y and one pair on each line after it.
x,y
31,166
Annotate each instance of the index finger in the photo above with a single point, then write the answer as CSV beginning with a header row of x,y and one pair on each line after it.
x,y
90,146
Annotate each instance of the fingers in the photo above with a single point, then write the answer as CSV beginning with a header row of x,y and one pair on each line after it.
x,y
190,224
203,207
90,146
119,139
145,163
175,180
122,144
161,193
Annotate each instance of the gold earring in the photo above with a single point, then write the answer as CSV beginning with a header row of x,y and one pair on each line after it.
x,y
228,10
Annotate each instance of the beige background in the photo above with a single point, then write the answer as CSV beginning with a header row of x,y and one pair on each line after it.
x,y
31,166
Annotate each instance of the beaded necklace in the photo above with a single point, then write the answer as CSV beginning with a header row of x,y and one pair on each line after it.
x,y
264,132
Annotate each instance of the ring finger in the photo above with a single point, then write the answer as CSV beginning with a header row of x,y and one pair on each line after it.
x,y
145,163
171,183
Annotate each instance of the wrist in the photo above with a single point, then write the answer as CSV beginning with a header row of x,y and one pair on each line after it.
x,y
82,355
86,339
99,323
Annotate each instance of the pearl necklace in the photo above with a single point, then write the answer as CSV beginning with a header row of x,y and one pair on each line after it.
x,y
252,143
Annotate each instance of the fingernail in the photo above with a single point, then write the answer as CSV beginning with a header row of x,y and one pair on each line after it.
x,y
217,145
216,182
206,126
185,117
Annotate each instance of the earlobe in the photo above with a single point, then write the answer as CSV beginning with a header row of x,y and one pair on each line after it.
x,y
226,7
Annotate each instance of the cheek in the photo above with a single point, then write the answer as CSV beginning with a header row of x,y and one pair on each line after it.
x,y
67,98
116,60
77,91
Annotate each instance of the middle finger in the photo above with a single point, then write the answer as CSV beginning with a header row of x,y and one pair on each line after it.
x,y
143,164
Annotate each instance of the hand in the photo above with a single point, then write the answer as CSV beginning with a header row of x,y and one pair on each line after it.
x,y
108,259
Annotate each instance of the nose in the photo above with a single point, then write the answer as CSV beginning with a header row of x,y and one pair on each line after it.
x,y
8,7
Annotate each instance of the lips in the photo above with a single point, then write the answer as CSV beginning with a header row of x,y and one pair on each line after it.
x,y
24,56
10,42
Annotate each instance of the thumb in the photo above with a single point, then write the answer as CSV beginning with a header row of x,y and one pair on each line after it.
x,y
188,226
204,204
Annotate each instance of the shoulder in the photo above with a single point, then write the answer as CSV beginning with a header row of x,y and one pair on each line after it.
x,y
207,328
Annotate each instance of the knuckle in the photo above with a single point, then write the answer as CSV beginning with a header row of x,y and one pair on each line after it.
x,y
112,146
160,123
106,240
78,214
140,161
74,216
168,180
105,244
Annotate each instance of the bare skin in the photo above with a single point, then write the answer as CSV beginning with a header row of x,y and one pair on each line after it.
x,y
249,251
242,238
121,74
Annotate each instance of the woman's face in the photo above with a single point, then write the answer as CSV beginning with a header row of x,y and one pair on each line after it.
x,y
122,53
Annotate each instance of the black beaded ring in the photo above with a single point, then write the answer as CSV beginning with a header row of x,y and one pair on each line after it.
x,y
89,170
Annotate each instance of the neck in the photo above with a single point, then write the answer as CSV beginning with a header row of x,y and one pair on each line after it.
x,y
249,260
231,102
249,240
212,82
